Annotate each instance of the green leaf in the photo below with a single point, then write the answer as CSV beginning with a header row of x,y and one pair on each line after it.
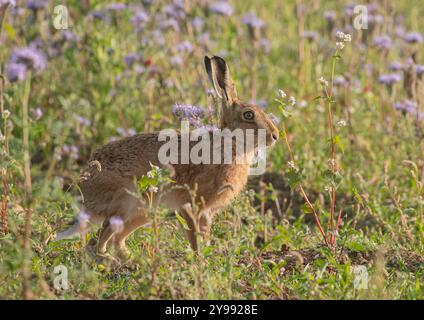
x,y
182,221
338,142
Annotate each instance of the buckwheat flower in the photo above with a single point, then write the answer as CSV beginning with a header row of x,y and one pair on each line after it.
x,y
292,165
6,114
30,57
323,82
340,45
153,189
36,4
390,78
413,37
2,138
117,224
282,94
116,6
383,42
36,113
251,19
16,72
341,123
292,100
395,66
221,7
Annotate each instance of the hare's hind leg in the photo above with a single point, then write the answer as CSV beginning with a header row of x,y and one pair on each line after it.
x,y
133,223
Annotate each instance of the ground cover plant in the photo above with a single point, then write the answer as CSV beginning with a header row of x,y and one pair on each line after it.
x,y
339,212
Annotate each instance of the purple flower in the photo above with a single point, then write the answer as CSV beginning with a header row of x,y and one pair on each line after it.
x,y
97,14
419,69
330,15
126,132
184,46
83,121
12,3
413,37
139,17
310,35
390,78
16,72
252,20
116,6
30,57
177,61
408,106
340,81
131,58
197,23
221,7
265,45
36,4
395,66
191,113
383,42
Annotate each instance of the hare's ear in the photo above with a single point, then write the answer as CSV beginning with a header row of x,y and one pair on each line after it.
x,y
219,75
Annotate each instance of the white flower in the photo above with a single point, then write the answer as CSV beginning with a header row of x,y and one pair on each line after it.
x,y
6,113
153,189
292,100
2,138
340,45
149,174
292,165
281,93
323,81
341,123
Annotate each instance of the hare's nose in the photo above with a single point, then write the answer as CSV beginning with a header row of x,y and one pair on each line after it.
x,y
274,136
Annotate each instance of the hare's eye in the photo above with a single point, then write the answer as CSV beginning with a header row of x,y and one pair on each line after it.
x,y
248,115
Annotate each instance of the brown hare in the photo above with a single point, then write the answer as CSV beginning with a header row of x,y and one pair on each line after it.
x,y
108,183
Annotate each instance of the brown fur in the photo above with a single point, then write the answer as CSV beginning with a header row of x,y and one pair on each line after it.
x,y
115,166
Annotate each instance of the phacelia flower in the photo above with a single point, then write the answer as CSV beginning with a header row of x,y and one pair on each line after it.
x,y
251,19
30,57
390,78
12,3
395,66
221,7
383,42
36,4
16,72
413,37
